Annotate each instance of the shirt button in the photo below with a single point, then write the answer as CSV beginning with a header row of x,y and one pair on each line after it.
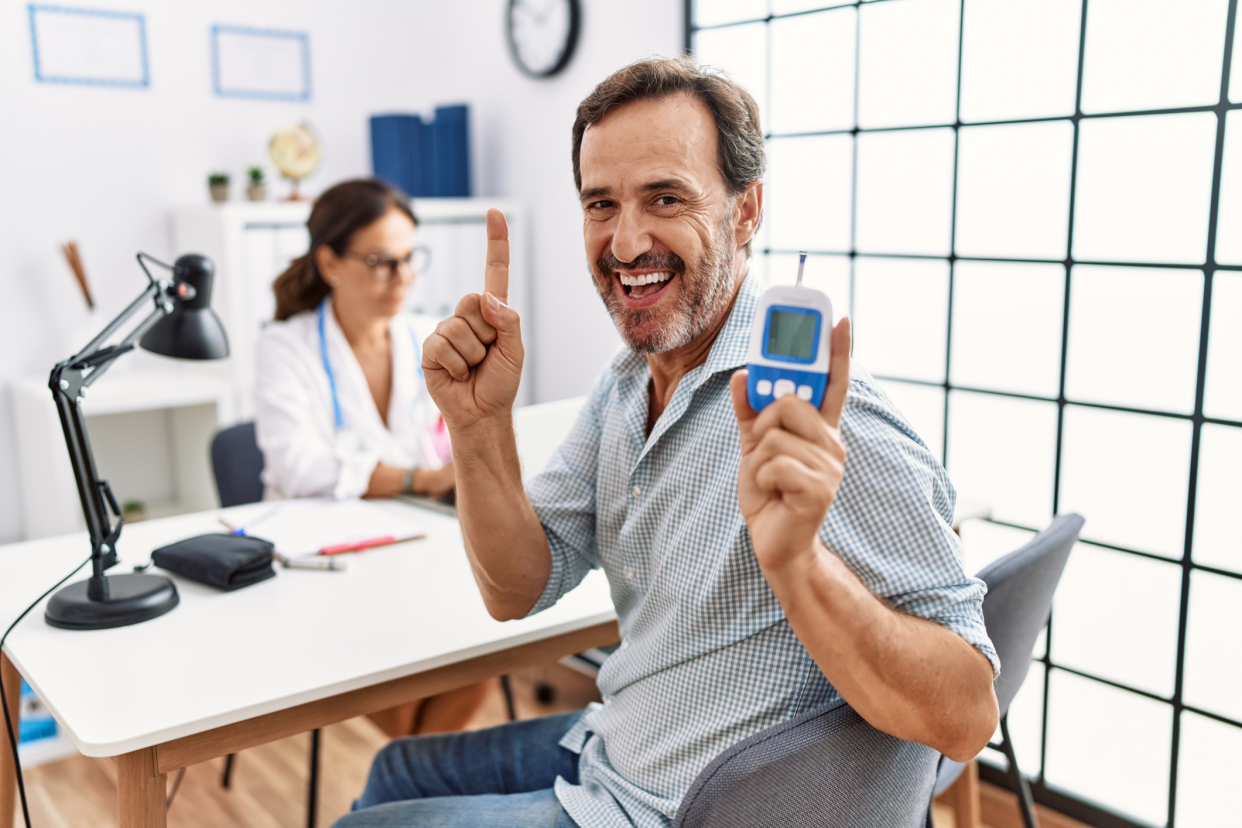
x,y
629,573
636,491
625,645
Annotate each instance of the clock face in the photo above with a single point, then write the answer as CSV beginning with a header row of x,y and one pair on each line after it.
x,y
542,34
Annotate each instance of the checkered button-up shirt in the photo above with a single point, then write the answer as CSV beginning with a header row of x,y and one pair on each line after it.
x,y
707,656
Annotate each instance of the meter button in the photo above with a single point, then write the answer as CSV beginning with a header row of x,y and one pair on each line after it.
x,y
763,387
783,387
804,392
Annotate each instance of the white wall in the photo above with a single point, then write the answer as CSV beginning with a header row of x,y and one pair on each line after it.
x,y
106,166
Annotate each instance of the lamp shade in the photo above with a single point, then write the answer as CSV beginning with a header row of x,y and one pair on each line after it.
x,y
192,330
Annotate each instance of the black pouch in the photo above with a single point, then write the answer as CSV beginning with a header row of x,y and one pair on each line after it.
x,y
224,561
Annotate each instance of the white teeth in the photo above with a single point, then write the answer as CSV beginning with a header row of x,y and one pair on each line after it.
x,y
646,279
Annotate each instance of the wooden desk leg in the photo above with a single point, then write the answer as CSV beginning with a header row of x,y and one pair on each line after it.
x,y
967,810
8,773
140,791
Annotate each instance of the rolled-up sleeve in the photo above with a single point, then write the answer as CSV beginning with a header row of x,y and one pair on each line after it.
x,y
891,521
563,496
302,456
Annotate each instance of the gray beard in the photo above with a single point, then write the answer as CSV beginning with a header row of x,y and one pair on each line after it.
x,y
706,291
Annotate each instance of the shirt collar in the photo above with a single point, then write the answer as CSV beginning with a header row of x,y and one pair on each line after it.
x,y
732,345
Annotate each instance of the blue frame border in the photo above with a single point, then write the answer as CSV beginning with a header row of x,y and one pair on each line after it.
x,y
33,9
302,37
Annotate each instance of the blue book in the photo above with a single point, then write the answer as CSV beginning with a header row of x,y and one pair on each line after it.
x,y
450,151
424,159
397,150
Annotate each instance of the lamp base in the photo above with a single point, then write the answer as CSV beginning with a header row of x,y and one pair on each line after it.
x,y
130,598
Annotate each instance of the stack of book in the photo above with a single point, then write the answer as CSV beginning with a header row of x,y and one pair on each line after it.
x,y
426,159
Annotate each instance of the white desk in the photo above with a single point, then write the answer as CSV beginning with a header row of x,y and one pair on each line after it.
x,y
229,670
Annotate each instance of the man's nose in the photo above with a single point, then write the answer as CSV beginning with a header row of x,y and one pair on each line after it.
x,y
630,239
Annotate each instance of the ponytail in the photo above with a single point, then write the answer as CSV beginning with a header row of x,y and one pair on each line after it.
x,y
299,288
340,212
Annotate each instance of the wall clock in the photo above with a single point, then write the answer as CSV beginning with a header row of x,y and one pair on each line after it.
x,y
542,34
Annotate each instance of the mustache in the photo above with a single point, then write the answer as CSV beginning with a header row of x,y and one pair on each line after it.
x,y
651,260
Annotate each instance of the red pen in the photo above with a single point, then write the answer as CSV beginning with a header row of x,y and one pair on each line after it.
x,y
357,546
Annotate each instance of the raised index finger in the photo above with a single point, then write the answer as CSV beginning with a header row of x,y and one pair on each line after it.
x,y
496,274
839,374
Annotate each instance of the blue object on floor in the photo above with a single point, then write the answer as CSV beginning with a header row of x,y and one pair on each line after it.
x,y
36,722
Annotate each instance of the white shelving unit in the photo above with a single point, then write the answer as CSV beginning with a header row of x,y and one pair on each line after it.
x,y
150,430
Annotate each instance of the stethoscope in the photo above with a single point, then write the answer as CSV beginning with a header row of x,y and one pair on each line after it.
x,y
327,365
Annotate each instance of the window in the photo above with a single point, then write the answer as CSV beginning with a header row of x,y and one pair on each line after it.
x,y
1031,209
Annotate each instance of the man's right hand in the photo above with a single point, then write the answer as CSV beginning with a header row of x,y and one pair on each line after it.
x,y
473,362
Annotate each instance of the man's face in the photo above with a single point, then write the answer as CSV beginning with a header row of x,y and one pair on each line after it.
x,y
656,212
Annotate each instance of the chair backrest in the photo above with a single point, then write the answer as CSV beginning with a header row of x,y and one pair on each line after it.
x,y
1019,599
1016,608
237,465
826,768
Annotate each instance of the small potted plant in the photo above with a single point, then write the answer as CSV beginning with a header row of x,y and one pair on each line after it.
x,y
134,511
256,189
218,183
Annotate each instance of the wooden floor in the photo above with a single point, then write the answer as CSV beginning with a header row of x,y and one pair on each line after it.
x,y
269,783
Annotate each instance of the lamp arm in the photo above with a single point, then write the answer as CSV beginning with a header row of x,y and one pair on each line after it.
x,y
104,357
153,289
68,382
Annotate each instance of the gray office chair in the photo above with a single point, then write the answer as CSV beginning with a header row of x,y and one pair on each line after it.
x,y
237,465
826,768
1016,608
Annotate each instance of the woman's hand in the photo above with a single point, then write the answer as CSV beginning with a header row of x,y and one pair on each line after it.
x,y
434,482
792,462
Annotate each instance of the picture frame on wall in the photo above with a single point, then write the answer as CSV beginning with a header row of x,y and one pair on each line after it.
x,y
92,47
261,64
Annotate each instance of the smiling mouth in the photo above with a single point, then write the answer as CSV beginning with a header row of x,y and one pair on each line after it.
x,y
645,284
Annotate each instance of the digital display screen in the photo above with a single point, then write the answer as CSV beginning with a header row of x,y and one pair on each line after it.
x,y
791,334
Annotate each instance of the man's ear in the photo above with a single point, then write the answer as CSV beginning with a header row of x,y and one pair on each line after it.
x,y
748,208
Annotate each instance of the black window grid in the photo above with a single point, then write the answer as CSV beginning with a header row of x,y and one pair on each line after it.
x,y
1054,797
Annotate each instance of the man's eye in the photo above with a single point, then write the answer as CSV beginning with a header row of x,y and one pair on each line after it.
x,y
667,200
599,205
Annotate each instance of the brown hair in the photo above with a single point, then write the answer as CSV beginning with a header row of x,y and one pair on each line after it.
x,y
739,142
339,213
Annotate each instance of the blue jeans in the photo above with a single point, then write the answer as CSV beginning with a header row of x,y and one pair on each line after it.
x,y
496,778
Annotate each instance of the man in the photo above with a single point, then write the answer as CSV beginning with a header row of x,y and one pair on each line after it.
x,y
756,571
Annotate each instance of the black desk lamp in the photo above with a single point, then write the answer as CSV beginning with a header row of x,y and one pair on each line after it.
x,y
181,325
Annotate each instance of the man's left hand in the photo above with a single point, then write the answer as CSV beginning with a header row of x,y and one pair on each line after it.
x,y
792,463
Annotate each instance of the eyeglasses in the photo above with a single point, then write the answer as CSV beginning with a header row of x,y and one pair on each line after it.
x,y
385,268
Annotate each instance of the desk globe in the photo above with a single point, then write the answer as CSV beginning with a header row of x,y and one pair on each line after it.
x,y
296,154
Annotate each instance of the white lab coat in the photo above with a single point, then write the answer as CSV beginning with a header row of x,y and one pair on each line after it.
x,y
304,454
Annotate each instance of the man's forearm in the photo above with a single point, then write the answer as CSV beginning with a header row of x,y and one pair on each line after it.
x,y
504,540
907,676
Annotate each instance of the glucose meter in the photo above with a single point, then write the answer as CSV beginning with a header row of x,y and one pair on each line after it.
x,y
789,344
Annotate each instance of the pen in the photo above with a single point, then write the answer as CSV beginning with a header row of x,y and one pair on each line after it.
x,y
313,562
357,546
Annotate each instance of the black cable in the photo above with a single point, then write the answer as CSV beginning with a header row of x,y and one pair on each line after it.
x,y
4,701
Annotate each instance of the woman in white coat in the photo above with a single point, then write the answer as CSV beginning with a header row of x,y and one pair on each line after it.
x,y
342,409
341,406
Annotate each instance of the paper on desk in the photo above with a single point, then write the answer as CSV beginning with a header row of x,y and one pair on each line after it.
x,y
305,525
